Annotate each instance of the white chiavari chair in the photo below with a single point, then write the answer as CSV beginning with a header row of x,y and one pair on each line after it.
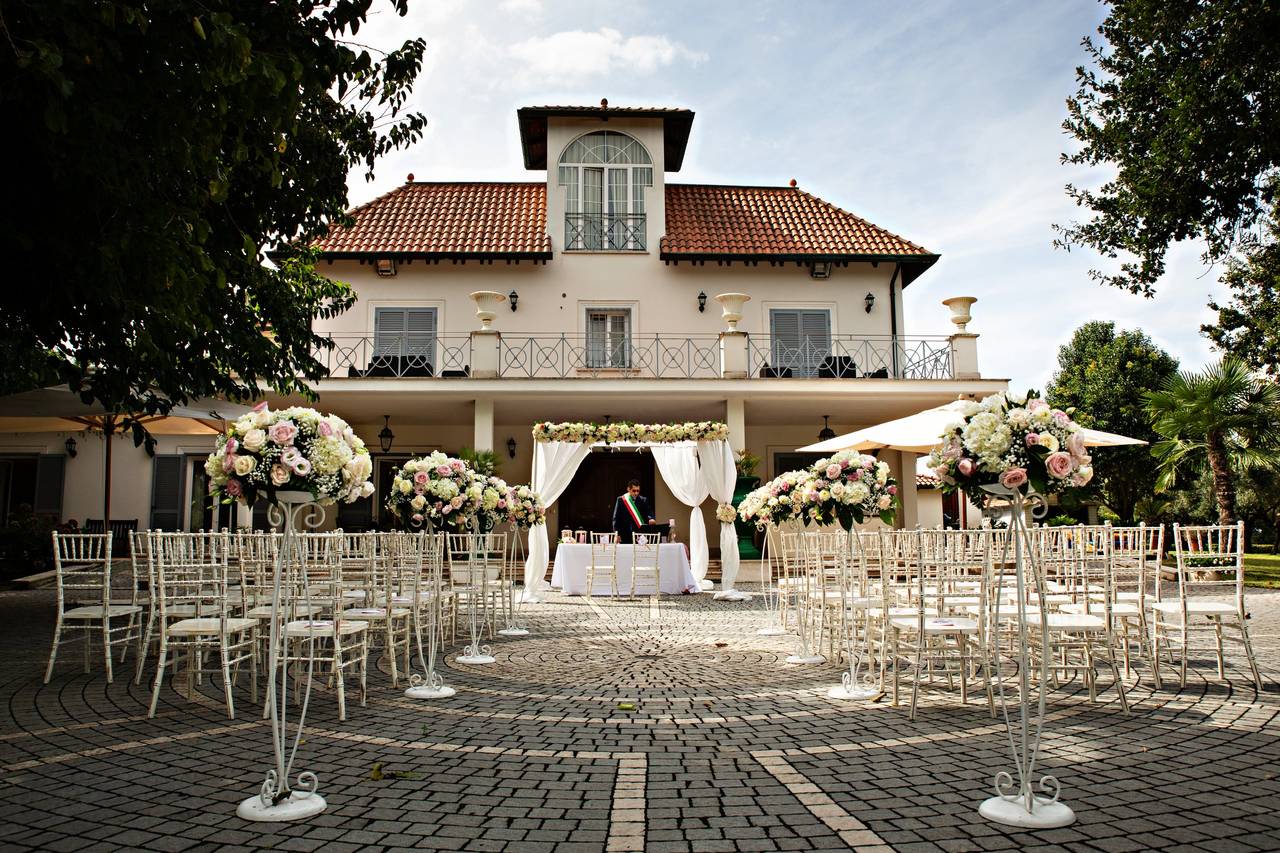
x,y
644,563
1210,609
604,561
192,573
382,574
82,566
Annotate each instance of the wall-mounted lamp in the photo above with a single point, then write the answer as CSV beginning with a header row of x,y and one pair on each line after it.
x,y
702,301
71,447
827,431
513,297
386,267
869,301
511,447
820,269
385,435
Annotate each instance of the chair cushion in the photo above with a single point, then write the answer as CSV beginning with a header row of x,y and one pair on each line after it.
x,y
374,612
937,624
209,626
1068,621
1195,608
323,627
264,611
95,611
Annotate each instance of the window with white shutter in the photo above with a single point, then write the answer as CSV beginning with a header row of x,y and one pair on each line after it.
x,y
408,334
801,339
608,337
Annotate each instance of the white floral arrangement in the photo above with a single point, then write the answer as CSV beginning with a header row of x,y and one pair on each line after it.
x,y
438,490
294,449
525,507
628,433
726,513
776,502
494,509
1014,441
847,489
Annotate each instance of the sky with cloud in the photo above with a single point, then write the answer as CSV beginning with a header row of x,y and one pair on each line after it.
x,y
940,121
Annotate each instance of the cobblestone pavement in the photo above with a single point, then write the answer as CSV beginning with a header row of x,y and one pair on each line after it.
x,y
728,749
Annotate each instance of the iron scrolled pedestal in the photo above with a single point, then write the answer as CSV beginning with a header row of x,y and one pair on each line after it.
x,y
1023,807
429,684
476,653
277,801
510,601
771,592
853,687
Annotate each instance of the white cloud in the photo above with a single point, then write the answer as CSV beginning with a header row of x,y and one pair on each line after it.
x,y
521,7
570,55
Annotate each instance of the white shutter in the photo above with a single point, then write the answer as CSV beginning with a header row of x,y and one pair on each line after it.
x,y
388,332
784,334
420,333
815,339
167,475
801,339
597,338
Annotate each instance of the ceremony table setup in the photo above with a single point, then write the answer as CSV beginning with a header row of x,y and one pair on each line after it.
x,y
572,565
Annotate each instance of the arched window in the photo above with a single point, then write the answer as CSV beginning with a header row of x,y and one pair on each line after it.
x,y
605,174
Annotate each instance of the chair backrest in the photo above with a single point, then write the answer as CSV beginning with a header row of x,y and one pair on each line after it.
x,y
644,551
82,564
1136,555
1210,557
476,558
604,549
143,562
191,573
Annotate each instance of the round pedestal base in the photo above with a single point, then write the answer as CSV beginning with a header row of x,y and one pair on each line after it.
x,y
806,659
476,659
298,806
514,632
771,631
853,694
1012,811
425,692
732,595
706,585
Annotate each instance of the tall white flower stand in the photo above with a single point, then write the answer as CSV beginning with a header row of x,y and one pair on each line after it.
x,y
770,591
475,653
429,684
515,562
804,654
853,687
277,801
1023,807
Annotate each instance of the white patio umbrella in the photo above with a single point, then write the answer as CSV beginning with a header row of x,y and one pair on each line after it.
x,y
59,408
920,433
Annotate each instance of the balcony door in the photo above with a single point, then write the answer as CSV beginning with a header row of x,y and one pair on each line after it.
x,y
405,339
801,339
608,338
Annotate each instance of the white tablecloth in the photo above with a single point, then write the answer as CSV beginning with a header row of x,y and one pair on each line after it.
x,y
573,561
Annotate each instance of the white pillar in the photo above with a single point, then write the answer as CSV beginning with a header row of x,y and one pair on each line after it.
x,y
735,417
902,464
483,425
486,354
734,358
964,356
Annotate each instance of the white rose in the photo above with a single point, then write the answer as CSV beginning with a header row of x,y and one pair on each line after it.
x,y
885,502
405,487
244,464
262,418
418,503
254,439
366,488
1049,442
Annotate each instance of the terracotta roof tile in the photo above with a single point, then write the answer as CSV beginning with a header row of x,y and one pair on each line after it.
x,y
770,221
448,219
927,481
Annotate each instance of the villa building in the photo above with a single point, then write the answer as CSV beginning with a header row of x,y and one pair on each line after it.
x,y
598,290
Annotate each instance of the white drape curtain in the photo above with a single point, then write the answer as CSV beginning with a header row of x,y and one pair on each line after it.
x,y
554,464
679,469
719,474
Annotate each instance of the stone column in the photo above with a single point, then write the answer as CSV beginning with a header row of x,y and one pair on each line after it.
x,y
735,417
733,355
964,344
486,347
902,465
483,439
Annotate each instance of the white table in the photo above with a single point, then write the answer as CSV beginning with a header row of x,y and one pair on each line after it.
x,y
573,561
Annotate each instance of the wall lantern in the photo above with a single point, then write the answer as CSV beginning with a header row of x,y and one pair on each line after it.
x,y
702,301
827,431
386,267
385,435
869,301
514,297
820,269
511,447
71,447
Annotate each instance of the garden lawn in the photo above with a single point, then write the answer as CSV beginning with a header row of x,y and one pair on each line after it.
x,y
1262,570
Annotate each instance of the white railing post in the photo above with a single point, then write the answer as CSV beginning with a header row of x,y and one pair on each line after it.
x,y
733,355
964,344
485,353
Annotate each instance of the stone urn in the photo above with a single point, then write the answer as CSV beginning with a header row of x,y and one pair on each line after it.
x,y
731,308
960,310
487,302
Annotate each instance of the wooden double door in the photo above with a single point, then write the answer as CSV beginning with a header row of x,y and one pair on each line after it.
x,y
588,502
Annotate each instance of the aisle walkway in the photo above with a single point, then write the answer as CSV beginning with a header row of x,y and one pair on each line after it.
x,y
729,749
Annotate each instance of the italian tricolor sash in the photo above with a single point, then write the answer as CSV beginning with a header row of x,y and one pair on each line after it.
x,y
631,508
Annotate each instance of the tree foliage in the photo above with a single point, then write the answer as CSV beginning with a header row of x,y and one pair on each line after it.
x,y
1105,375
157,151
1248,326
1223,416
1182,99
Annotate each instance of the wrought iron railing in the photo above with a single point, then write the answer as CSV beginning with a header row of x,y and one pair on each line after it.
x,y
367,356
563,356
615,232
851,357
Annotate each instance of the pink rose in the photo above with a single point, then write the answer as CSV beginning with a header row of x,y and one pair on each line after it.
x,y
856,475
443,470
1075,445
893,490
233,488
232,446
942,471
229,463
261,407
458,466
302,467
1059,464
419,490
1036,404
290,456
965,467
1033,439
324,429
417,516
421,478
868,461
833,470
1014,478
282,433
446,509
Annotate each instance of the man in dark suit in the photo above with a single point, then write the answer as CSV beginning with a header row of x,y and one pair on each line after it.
x,y
630,511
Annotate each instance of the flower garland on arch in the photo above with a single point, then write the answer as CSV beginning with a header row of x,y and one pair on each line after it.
x,y
621,432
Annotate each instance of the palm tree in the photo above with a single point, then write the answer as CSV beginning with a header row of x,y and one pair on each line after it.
x,y
1223,415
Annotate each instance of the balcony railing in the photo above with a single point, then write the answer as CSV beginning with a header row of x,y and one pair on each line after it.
x,y
563,356
568,356
851,357
363,356
604,232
